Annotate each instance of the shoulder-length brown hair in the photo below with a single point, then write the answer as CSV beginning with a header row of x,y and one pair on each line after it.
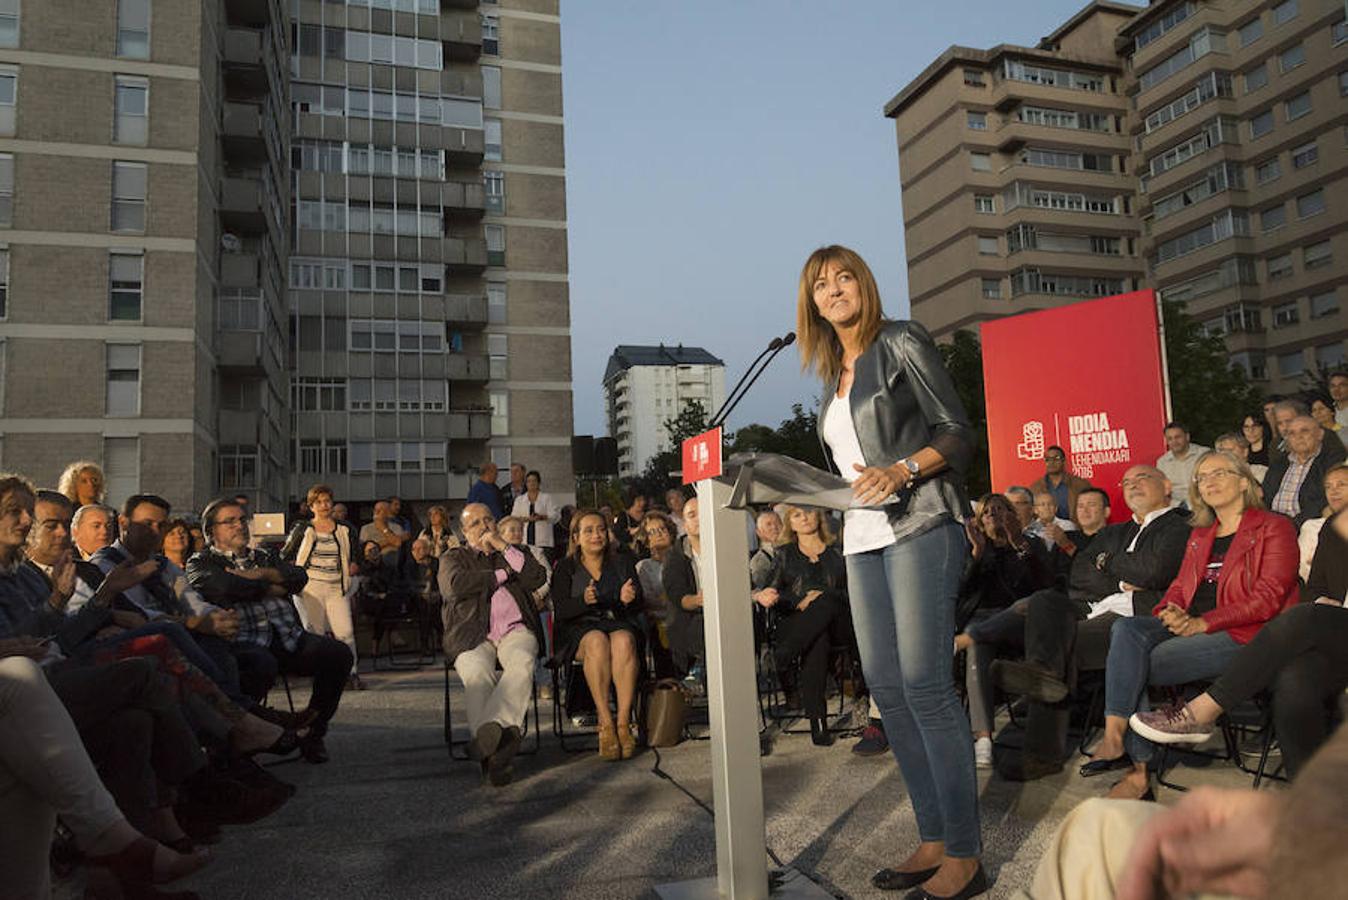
x,y
1204,515
789,536
573,544
820,348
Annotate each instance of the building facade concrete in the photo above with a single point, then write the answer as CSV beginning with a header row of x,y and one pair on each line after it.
x,y
644,387
1191,146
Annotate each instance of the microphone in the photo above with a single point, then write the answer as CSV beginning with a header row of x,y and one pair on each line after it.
x,y
719,416
776,347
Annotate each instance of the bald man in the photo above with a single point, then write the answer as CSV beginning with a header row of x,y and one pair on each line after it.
x,y
490,618
1295,484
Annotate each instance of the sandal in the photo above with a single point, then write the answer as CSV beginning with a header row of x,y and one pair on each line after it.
x,y
609,748
133,866
627,741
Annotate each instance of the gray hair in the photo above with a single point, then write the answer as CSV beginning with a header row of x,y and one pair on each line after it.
x,y
1296,406
97,507
1017,489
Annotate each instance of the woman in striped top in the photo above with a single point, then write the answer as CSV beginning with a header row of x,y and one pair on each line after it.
x,y
323,549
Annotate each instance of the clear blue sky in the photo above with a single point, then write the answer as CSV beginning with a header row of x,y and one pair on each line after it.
x,y
711,145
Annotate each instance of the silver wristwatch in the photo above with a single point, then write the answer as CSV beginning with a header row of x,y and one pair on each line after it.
x,y
911,465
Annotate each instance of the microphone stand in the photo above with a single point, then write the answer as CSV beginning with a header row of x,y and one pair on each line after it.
x,y
781,344
719,417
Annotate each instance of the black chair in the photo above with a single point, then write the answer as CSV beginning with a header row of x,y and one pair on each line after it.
x,y
391,610
455,746
1252,720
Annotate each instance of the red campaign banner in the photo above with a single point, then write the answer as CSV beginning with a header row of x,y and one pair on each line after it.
x,y
702,456
1085,377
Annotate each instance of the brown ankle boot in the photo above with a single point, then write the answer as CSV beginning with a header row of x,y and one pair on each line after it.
x,y
608,743
627,740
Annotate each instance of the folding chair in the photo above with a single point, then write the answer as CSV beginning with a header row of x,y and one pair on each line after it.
x,y
391,610
1253,719
454,746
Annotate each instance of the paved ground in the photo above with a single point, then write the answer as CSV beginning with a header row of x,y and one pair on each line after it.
x,y
390,816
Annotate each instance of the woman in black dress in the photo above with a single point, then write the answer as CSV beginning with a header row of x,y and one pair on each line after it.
x,y
596,598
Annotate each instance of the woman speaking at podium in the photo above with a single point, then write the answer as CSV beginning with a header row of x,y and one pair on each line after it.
x,y
893,425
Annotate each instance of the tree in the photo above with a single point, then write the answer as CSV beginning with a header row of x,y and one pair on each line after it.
x,y
795,437
1208,395
964,361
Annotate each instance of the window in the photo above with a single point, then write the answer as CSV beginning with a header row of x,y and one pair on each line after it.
x,y
123,398
1298,106
987,245
4,283
1273,217
1266,171
497,355
1311,204
980,162
1291,363
238,466
1292,57
132,104
493,184
9,91
1305,155
1284,12
1209,87
491,139
491,34
128,196
1343,80
500,412
126,276
491,87
1280,266
1163,24
9,23
133,29
1261,124
1019,194
973,78
6,189
1204,41
1227,224
362,46
121,467
978,121
1033,281
496,302
1330,356
1251,31
1063,118
1325,304
1286,314
1215,180
496,244
1219,130
992,288
240,309
1256,78
1313,256
1233,271
319,456
1338,32
318,394
984,203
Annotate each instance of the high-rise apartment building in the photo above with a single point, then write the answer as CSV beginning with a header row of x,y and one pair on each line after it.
x,y
1192,146
428,269
644,387
142,243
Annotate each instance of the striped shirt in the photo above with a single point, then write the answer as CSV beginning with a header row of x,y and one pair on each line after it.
x,y
325,560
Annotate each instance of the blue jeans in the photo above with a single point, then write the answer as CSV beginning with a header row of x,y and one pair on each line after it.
x,y
903,605
1142,652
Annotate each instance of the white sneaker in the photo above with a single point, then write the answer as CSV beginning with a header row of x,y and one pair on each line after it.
x,y
983,753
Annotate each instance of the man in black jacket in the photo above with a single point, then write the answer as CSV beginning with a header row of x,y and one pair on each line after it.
x,y
1295,483
258,584
1123,571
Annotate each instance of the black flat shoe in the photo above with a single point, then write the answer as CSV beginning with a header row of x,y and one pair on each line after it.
x,y
977,885
1101,766
894,880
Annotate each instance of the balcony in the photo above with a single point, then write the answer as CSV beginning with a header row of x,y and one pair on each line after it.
x,y
241,132
242,206
244,70
467,367
469,424
240,426
241,353
247,12
462,36
463,199
465,256
463,146
466,310
240,270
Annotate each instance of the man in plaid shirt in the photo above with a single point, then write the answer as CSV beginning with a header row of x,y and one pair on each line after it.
x,y
258,584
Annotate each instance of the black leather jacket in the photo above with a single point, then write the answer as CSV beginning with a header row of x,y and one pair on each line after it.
x,y
902,400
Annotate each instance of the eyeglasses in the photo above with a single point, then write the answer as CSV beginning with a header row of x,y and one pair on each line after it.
x,y
1054,458
234,520
1136,481
1200,477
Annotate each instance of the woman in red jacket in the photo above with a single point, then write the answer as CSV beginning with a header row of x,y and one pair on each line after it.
x,y
1239,571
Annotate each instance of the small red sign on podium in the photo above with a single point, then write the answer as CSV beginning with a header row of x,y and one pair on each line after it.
x,y
702,456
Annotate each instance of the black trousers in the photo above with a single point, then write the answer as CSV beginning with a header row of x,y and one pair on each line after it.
x,y
133,729
1059,637
1302,656
327,660
807,635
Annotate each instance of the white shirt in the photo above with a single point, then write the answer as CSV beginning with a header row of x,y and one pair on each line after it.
x,y
543,506
1122,602
1307,541
1180,472
1039,529
863,529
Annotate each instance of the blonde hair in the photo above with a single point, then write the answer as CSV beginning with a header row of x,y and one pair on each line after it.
x,y
513,520
72,474
788,535
1204,515
820,348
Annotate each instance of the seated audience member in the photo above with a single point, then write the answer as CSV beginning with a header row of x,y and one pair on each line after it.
x,y
177,544
1062,484
491,618
1215,842
627,523
601,623
658,533
674,500
512,529
1257,434
1006,566
425,578
46,772
1302,655
91,528
83,483
807,591
768,529
198,539
485,491
322,548
258,584
681,576
438,531
1021,500
385,532
537,511
1122,572
1336,498
1047,527
339,515
1294,485
1179,459
1322,411
1236,445
1239,571
1283,411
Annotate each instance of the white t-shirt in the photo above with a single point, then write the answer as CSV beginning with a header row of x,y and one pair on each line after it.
x,y
863,529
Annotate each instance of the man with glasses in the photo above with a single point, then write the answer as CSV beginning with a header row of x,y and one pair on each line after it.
x,y
258,584
1123,571
1295,483
1179,460
1062,484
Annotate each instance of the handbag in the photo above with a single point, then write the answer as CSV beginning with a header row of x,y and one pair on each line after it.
x,y
665,707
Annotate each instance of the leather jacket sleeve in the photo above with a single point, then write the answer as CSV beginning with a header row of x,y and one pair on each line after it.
x,y
1274,579
936,396
293,541
207,573
1155,561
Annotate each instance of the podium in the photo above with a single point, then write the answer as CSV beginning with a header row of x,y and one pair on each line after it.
x,y
732,682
